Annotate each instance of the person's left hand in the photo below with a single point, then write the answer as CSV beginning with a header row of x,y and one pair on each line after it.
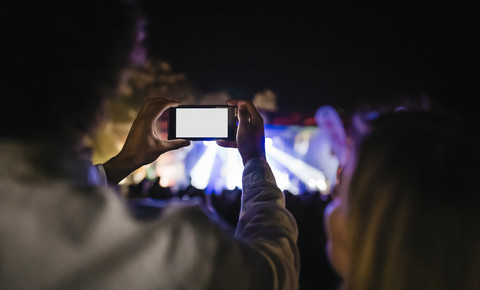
x,y
143,144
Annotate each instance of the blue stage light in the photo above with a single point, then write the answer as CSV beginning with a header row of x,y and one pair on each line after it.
x,y
310,176
234,169
200,173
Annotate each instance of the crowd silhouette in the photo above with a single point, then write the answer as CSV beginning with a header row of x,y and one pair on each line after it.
x,y
147,198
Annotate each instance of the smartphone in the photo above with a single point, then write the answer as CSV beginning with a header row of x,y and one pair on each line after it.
x,y
203,122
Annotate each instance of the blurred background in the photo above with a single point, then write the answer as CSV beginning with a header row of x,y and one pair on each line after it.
x,y
291,63
313,72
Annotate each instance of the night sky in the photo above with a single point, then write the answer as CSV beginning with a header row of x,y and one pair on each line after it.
x,y
313,57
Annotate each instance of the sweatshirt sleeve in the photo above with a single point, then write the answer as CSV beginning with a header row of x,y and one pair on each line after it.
x,y
187,249
267,226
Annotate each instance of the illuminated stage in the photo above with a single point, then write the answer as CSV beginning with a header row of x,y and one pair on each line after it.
x,y
301,158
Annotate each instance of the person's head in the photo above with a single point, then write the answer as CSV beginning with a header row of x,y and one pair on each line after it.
x,y
64,60
410,206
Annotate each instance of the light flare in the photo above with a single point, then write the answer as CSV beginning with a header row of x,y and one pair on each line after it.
x,y
200,173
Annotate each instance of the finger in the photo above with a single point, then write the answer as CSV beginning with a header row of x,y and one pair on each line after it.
x,y
167,145
160,100
157,98
162,105
232,102
151,101
243,115
168,105
255,117
158,107
227,144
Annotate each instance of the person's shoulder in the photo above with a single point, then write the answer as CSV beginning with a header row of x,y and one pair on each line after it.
x,y
191,211
194,214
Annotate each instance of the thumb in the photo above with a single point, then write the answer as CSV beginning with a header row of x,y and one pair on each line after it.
x,y
173,144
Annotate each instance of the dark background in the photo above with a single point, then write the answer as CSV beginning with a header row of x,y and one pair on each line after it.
x,y
314,56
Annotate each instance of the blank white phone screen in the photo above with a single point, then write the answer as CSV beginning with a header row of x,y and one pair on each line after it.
x,y
200,123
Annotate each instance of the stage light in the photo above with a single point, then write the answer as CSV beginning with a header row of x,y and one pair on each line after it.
x,y
200,173
164,182
312,183
234,169
210,143
283,181
312,177
322,184
139,174
268,142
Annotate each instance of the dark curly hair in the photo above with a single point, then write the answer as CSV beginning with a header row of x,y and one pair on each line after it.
x,y
64,60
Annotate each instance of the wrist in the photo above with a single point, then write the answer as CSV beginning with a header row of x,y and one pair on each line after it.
x,y
248,157
252,152
119,167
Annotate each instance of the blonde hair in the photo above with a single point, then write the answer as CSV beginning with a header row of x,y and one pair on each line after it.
x,y
414,206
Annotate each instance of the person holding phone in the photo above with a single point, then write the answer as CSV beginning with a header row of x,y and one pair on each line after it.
x,y
59,229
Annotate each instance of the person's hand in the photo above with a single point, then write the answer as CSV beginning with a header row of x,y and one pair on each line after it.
x,y
143,144
250,133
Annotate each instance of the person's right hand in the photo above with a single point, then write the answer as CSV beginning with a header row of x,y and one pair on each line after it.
x,y
250,133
